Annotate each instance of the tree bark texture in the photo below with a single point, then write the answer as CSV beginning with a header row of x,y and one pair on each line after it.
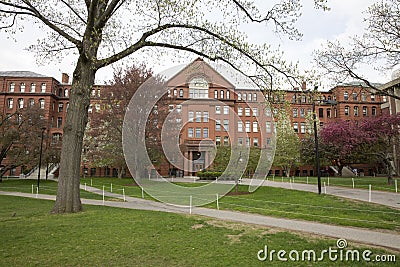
x,y
68,194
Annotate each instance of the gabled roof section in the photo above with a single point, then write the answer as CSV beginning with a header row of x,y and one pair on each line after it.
x,y
218,75
21,74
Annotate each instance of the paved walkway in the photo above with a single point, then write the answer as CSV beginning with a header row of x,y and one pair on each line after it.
x,y
379,197
388,240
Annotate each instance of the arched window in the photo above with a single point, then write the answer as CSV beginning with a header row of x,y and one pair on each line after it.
x,y
180,92
239,96
347,110
373,111
249,97
222,94
215,94
228,94
43,87
365,111
12,87
363,96
60,92
20,103
244,97
255,97
10,103
33,87
355,110
346,95
41,103
198,88
66,92
31,102
355,96
22,87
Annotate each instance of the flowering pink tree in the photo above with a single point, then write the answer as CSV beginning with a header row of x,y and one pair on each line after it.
x,y
372,139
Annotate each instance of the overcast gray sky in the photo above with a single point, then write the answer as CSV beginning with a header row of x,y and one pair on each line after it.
x,y
343,20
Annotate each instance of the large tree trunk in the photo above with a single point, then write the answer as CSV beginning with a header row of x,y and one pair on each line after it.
x,y
68,194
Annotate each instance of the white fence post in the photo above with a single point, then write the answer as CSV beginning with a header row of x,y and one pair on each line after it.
x,y
142,193
352,179
103,194
325,188
395,184
369,194
217,203
190,205
123,193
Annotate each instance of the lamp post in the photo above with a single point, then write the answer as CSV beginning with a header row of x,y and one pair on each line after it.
x,y
317,163
40,157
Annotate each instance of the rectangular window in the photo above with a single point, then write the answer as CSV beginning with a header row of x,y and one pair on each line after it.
x,y
205,132
198,116
255,141
302,112
355,96
268,112
320,112
170,108
60,107
255,112
240,141
295,127
180,92
226,140
59,122
205,116
365,111
218,125
247,141
268,127
268,141
328,113
191,116
226,110
21,103
179,108
302,127
217,109
226,125
240,126
198,132
372,97
255,97
295,113
218,140
10,103
255,127
190,133
247,112
248,127
240,111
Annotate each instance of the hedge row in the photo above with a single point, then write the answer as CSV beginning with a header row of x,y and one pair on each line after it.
x,y
208,175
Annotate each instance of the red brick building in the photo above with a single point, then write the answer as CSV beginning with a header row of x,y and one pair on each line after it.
x,y
214,107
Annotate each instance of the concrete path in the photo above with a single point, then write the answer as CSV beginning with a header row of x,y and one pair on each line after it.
x,y
379,197
388,240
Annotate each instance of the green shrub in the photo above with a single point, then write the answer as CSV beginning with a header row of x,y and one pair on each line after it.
x,y
208,175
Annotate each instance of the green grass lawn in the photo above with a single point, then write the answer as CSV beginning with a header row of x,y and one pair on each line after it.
x,y
377,183
46,187
105,236
286,203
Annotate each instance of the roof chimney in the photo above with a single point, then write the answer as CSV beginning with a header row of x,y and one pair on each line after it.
x,y
65,78
303,86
